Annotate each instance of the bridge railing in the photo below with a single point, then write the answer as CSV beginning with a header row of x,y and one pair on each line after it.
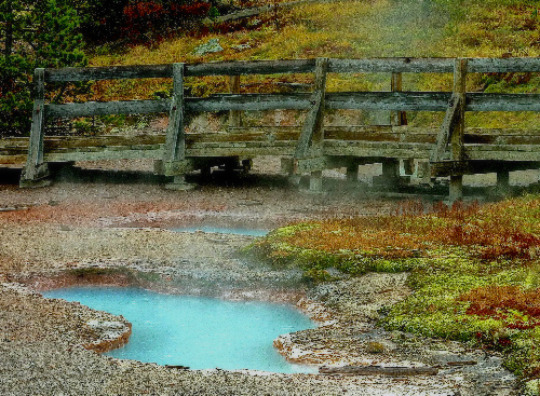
x,y
455,103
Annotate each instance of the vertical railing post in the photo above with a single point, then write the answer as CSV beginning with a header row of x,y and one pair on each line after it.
x,y
235,116
458,131
317,141
399,118
313,129
35,169
174,163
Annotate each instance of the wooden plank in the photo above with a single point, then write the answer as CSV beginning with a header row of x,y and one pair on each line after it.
x,y
398,101
107,73
235,116
503,102
397,118
72,110
265,129
451,118
391,65
412,101
397,150
104,155
503,65
374,65
68,142
458,128
503,155
175,144
312,131
251,67
297,101
234,151
35,146
243,137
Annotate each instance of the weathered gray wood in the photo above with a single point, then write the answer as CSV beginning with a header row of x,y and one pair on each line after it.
x,y
126,153
35,147
107,73
248,102
378,370
451,118
503,65
502,102
380,150
312,131
398,101
235,116
397,118
392,65
413,101
175,145
251,67
72,110
457,130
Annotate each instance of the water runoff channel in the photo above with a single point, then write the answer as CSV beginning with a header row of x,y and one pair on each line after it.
x,y
198,332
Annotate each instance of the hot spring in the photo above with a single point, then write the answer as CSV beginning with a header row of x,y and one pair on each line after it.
x,y
197,332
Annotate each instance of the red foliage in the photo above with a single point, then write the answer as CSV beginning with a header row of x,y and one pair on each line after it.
x,y
499,302
150,21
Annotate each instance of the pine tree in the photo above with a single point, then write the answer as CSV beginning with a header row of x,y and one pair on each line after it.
x,y
33,34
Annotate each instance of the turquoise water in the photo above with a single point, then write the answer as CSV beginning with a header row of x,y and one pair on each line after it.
x,y
223,230
198,332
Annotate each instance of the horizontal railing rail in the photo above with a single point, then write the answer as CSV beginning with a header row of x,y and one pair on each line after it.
x,y
374,65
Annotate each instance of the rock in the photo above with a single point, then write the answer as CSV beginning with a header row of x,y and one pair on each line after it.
x,y
212,46
241,47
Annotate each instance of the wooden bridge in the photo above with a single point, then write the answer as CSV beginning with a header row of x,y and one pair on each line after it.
x,y
450,150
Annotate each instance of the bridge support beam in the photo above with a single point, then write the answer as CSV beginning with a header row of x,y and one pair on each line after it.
x,y
36,172
458,132
313,129
174,161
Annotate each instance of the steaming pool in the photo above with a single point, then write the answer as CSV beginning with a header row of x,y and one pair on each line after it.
x,y
198,332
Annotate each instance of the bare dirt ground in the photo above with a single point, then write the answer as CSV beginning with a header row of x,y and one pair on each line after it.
x,y
109,223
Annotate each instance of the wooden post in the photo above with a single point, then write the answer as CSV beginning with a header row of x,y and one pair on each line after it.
x,y
35,169
457,135
175,143
313,129
235,116
399,118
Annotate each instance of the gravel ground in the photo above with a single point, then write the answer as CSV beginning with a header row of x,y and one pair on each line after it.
x,y
96,226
